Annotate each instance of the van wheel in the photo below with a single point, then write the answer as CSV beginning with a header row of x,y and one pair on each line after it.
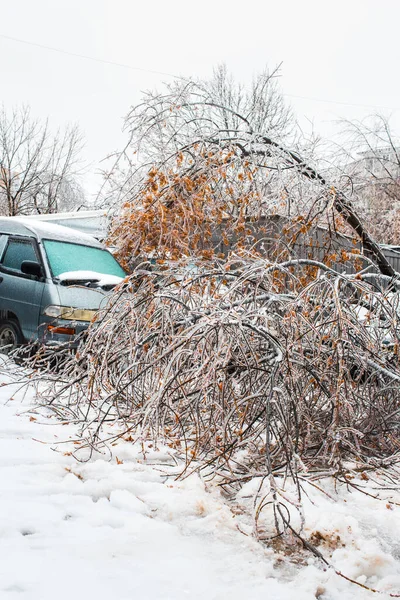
x,y
10,336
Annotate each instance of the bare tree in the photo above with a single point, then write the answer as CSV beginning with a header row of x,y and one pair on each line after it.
x,y
38,170
373,162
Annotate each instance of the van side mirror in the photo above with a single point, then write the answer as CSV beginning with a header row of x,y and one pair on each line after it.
x,y
30,267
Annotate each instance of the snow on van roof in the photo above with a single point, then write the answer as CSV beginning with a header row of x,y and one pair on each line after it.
x,y
93,222
46,230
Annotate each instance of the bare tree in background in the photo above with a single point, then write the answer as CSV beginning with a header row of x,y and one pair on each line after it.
x,y
38,170
373,149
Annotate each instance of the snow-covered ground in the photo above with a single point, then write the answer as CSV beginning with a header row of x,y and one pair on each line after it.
x,y
121,529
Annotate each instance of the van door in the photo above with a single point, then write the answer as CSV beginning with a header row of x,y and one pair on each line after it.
x,y
20,294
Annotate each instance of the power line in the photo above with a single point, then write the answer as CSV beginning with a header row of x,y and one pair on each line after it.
x,y
92,58
142,69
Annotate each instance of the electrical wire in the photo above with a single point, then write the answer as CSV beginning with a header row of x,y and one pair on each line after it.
x,y
86,57
165,73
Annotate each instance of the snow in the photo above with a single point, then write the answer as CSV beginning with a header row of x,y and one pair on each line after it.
x,y
91,222
101,278
124,529
53,231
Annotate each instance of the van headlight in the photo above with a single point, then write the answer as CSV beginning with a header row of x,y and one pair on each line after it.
x,y
69,313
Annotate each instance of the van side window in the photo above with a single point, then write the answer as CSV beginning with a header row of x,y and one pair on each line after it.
x,y
3,243
16,252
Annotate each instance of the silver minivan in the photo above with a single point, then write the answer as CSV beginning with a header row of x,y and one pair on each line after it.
x,y
52,281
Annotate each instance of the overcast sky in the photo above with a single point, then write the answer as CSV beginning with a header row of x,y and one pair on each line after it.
x,y
339,58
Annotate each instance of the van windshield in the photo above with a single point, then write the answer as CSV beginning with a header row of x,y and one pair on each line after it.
x,y
66,257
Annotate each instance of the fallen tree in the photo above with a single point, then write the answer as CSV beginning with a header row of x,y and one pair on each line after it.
x,y
280,369
245,370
